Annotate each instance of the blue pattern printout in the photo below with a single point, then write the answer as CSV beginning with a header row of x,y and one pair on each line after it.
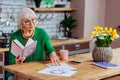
x,y
106,64
62,70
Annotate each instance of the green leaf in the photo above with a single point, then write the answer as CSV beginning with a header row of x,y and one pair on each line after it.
x,y
68,24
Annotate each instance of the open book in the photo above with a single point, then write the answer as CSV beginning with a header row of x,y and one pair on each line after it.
x,y
105,64
24,51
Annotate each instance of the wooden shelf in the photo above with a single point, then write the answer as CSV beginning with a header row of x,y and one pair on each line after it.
x,y
54,9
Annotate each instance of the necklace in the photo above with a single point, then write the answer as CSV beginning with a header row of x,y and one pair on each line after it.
x,y
27,37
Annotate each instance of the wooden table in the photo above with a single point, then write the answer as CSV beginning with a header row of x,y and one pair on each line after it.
x,y
85,71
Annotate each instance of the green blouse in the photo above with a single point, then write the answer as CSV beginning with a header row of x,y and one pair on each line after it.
x,y
43,47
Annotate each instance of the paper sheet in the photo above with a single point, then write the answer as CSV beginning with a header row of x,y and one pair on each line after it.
x,y
62,66
62,70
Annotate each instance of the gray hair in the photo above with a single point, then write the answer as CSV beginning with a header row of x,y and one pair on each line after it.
x,y
25,13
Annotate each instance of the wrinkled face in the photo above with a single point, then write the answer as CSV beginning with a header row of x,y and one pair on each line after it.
x,y
29,23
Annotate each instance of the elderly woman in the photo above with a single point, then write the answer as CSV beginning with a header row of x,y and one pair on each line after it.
x,y
27,22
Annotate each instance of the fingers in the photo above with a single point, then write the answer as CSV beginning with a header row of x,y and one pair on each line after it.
x,y
54,59
55,62
23,58
19,60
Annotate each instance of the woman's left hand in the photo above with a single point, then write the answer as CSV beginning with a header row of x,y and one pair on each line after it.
x,y
54,59
19,60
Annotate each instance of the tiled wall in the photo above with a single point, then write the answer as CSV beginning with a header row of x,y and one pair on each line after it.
x,y
47,20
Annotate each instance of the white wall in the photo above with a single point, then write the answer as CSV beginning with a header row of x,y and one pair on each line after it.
x,y
79,16
112,13
94,15
112,18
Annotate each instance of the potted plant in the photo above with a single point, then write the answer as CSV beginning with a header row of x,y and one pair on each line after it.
x,y
37,3
68,24
103,38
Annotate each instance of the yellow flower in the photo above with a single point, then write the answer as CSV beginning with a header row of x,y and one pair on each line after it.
x,y
93,33
100,28
110,30
114,32
96,28
99,32
107,32
114,37
106,29
104,36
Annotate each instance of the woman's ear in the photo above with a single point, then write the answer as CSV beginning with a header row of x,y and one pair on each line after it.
x,y
21,26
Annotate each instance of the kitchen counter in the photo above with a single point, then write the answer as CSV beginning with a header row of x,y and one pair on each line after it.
x,y
56,42
73,45
4,49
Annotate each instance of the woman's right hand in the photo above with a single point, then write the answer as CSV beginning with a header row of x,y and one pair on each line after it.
x,y
54,59
19,60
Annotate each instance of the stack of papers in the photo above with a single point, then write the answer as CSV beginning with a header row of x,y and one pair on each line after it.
x,y
62,70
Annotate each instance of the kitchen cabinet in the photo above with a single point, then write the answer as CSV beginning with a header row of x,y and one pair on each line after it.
x,y
2,62
77,48
74,46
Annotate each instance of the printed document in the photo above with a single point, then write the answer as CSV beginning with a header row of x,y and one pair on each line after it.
x,y
62,70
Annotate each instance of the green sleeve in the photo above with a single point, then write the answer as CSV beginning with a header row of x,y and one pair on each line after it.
x,y
48,45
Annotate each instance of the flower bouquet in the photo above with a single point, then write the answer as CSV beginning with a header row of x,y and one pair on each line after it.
x,y
104,36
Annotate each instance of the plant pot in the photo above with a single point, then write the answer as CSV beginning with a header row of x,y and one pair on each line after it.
x,y
69,34
37,4
102,54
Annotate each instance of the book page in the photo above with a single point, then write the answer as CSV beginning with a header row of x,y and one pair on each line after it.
x,y
18,43
18,49
30,49
30,41
15,49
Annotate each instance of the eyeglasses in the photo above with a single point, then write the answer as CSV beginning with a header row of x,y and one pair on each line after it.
x,y
28,22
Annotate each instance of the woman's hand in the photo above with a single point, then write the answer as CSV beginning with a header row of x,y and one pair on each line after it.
x,y
54,59
19,60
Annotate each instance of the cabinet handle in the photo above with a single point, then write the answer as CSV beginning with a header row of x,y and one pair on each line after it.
x,y
63,47
77,46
